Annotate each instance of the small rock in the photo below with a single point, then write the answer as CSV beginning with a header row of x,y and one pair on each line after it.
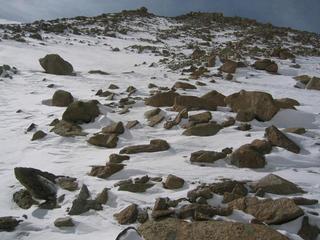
x,y
64,222
173,182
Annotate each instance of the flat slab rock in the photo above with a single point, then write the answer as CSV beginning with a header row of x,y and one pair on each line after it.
x,y
156,145
269,211
171,228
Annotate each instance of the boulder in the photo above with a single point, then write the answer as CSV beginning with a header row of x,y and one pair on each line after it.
x,y
8,224
135,187
204,117
206,156
173,182
23,199
303,79
62,98
104,140
308,231
229,66
267,65
243,116
54,64
116,158
81,112
269,211
106,171
38,135
64,222
114,128
261,146
128,215
183,85
313,84
193,103
164,99
216,97
171,228
247,157
276,185
203,129
67,129
279,139
40,184
155,145
260,104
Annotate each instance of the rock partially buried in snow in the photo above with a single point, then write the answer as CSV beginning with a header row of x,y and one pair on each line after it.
x,y
269,211
247,157
276,185
106,171
128,215
206,156
64,222
193,103
203,130
67,129
54,64
173,182
40,184
155,145
313,84
277,138
184,85
229,66
104,140
164,99
38,135
260,104
267,65
171,228
23,199
62,98
81,112
308,231
114,128
8,223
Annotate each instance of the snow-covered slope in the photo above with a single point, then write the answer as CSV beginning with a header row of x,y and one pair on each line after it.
x,y
74,156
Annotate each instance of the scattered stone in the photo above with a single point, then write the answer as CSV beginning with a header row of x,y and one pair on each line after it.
x,y
260,104
244,127
282,53
304,79
267,65
64,222
67,129
247,157
67,183
183,85
103,197
113,86
98,72
38,135
182,114
171,228
128,215
116,158
193,103
299,131
204,117
313,84
81,112
132,124
135,187
269,211
54,64
206,156
106,171
104,140
276,185
23,199
164,99
277,138
8,224
308,231
155,145
114,128
203,129
229,67
173,182
40,184
62,98
31,127
261,146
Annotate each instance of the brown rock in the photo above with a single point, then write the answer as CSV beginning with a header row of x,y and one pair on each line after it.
x,y
269,211
229,67
287,103
114,128
104,140
173,182
216,97
206,230
277,138
116,158
206,156
193,103
247,157
184,85
106,171
203,129
128,215
313,84
308,231
155,145
204,117
62,98
164,99
267,65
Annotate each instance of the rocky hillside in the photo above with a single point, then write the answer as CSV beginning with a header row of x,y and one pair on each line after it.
x,y
132,126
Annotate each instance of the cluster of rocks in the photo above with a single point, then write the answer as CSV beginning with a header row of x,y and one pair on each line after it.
x,y
307,82
7,71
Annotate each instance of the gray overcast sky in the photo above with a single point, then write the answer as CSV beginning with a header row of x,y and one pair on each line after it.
x,y
300,14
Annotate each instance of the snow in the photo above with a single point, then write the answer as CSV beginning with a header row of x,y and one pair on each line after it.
x,y
73,156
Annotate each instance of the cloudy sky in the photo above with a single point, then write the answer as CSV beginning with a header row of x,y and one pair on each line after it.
x,y
301,14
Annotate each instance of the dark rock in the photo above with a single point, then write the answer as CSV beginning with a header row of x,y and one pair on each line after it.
x,y
62,98
155,145
201,117
206,156
67,183
135,187
204,129
269,211
276,185
8,224
304,201
38,135
114,128
173,182
116,158
104,140
132,124
247,157
308,231
243,116
216,97
128,215
277,138
164,99
54,64
67,129
106,171
81,112
64,222
267,65
40,184
229,66
193,103
23,199
183,85
103,196
313,84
